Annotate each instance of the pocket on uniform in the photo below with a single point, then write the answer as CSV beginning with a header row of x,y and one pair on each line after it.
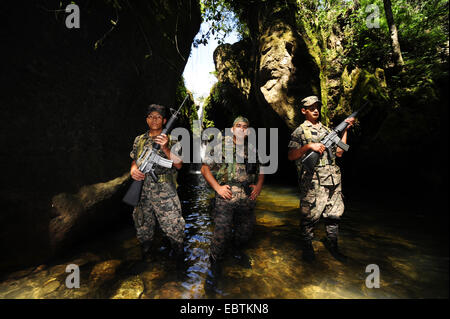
x,y
308,200
167,190
307,186
337,175
308,195
138,217
307,203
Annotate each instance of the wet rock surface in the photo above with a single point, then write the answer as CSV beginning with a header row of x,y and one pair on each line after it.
x,y
412,264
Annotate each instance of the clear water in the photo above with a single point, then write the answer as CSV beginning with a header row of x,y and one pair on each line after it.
x,y
410,250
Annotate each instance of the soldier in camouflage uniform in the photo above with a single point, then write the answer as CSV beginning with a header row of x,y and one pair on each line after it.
x,y
237,186
320,190
159,201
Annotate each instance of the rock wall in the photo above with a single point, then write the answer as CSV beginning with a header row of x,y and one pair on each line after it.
x,y
264,76
72,102
287,57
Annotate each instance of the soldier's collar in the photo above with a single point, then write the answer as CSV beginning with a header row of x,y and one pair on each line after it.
x,y
147,135
308,123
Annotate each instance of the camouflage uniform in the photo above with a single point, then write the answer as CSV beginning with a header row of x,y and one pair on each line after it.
x,y
234,218
321,190
159,201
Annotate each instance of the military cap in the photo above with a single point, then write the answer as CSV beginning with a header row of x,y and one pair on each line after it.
x,y
156,108
310,100
241,119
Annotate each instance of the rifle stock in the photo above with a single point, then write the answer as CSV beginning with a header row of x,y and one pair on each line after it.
x,y
134,193
310,160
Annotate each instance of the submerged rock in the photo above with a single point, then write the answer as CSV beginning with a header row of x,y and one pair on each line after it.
x,y
155,274
170,290
131,288
50,286
74,212
103,271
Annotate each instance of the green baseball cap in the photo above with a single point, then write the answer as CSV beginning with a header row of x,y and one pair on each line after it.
x,y
241,119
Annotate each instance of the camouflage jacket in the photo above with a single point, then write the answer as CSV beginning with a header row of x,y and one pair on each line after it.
x,y
145,140
239,170
326,172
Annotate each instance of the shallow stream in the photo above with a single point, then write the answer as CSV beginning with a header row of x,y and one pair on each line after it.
x,y
410,250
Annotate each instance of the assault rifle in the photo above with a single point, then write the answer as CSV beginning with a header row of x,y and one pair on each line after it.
x,y
147,161
329,141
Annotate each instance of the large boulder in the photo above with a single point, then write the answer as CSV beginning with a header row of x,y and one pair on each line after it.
x,y
285,72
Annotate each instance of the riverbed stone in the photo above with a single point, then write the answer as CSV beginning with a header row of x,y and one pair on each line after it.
x,y
57,270
21,273
154,274
170,290
50,286
103,271
131,288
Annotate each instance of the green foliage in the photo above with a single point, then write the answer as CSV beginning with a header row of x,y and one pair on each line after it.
x,y
211,104
208,109
423,35
188,112
223,104
422,28
221,16
318,21
338,37
115,4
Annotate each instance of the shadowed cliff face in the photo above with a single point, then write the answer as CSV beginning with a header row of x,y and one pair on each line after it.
x,y
264,77
233,64
275,69
70,112
270,74
232,95
291,59
284,73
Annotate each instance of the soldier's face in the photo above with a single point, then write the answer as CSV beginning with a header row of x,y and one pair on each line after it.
x,y
311,112
240,129
155,121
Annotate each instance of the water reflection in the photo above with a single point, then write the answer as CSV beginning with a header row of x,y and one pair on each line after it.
x,y
412,263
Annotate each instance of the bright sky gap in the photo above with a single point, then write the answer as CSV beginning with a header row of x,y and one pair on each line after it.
x,y
198,70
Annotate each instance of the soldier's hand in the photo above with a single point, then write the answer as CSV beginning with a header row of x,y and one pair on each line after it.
x,y
255,192
317,147
225,192
351,122
162,140
136,174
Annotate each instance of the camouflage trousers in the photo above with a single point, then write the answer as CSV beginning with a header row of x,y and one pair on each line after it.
x,y
234,220
318,201
159,201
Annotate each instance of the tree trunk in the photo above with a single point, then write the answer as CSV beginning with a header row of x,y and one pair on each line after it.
x,y
398,59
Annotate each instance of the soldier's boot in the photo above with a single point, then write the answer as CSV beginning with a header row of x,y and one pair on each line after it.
x,y
213,276
308,251
332,246
179,256
145,250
